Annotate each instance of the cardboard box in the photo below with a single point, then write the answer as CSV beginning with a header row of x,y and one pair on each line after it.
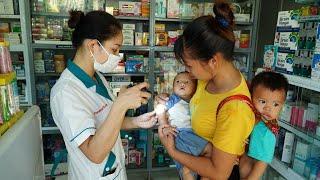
x,y
298,166
128,38
129,27
208,9
289,40
288,20
6,7
286,112
242,17
315,73
127,8
172,37
138,38
173,9
269,56
284,62
160,28
145,39
287,147
186,11
161,8
302,151
237,35
161,39
133,66
125,144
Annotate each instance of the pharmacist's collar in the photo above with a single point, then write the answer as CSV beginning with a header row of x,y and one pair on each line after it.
x,y
97,86
82,75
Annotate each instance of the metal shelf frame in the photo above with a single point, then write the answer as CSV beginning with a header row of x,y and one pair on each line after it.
x,y
151,49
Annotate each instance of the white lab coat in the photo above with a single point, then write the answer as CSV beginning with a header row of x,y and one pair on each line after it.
x,y
78,110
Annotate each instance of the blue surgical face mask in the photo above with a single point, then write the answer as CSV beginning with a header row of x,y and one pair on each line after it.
x,y
109,65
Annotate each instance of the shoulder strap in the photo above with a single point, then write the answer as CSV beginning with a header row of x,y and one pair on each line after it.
x,y
238,97
272,125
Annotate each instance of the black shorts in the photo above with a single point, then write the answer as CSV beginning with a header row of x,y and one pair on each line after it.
x,y
235,174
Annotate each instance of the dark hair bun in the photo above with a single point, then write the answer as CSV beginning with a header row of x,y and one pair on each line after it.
x,y
223,10
75,17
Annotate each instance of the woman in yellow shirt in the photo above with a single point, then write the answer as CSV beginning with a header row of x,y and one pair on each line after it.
x,y
206,48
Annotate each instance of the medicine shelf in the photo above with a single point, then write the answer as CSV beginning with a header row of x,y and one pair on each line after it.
x,y
132,18
50,130
24,104
172,20
21,78
242,50
163,48
170,49
163,168
47,74
307,136
135,48
303,82
284,170
125,74
52,14
189,20
52,44
137,170
16,48
9,16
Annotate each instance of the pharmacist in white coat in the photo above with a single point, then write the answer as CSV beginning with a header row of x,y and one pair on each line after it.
x,y
83,107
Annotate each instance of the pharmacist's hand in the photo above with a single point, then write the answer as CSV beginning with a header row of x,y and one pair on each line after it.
x,y
171,130
161,99
166,140
133,97
146,120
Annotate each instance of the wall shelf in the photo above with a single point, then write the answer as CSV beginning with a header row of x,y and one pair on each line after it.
x,y
284,170
9,16
16,48
303,82
135,48
132,18
309,137
47,74
60,15
125,74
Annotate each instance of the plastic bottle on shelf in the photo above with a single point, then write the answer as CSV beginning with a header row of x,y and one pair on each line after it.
x,y
4,103
5,58
59,63
16,94
11,101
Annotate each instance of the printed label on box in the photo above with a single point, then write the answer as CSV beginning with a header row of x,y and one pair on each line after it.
x,y
284,62
315,73
161,8
288,20
270,55
289,40
173,10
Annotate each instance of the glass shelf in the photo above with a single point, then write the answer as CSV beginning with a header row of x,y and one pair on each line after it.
x,y
132,18
58,15
9,16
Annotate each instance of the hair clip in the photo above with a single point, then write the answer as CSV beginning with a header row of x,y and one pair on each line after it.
x,y
224,23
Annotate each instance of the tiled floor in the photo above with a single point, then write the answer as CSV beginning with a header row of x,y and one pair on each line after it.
x,y
161,175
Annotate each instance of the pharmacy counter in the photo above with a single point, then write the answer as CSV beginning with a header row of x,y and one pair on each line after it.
x,y
21,148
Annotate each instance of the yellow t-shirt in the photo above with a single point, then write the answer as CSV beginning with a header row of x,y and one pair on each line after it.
x,y
234,123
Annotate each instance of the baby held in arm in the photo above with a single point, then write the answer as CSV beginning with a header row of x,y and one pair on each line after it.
x,y
176,113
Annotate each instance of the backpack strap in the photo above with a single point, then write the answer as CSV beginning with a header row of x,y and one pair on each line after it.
x,y
239,97
272,124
